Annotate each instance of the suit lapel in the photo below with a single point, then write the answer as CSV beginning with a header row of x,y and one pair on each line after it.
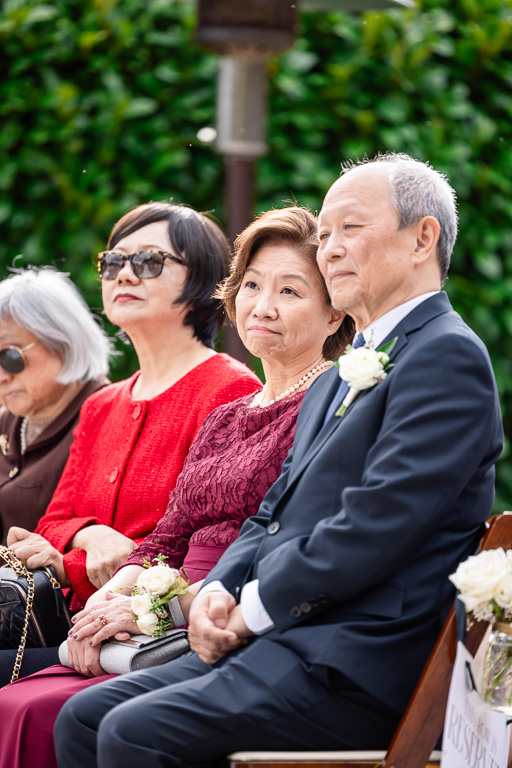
x,y
317,435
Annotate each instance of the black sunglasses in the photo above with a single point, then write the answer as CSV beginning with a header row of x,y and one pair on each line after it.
x,y
145,264
12,359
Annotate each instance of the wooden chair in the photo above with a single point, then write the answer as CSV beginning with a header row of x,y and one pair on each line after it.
x,y
422,723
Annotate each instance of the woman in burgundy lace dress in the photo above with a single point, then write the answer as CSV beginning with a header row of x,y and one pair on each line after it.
x,y
276,297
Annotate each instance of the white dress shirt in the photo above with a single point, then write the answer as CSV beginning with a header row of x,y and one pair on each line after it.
x,y
254,614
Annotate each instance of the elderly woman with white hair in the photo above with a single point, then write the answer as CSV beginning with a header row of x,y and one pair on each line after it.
x,y
53,355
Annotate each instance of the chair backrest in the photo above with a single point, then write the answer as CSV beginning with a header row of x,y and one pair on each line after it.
x,y
423,720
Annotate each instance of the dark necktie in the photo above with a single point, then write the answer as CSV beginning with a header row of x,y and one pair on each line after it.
x,y
343,387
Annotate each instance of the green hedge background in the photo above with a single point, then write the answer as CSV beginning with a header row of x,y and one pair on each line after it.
x,y
101,101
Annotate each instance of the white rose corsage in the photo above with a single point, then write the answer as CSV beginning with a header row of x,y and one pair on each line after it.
x,y
362,368
154,590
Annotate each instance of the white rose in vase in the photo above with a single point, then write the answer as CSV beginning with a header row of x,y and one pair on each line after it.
x,y
362,368
504,592
479,577
148,624
158,579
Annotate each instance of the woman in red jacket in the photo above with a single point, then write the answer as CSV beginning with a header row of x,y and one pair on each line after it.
x,y
158,276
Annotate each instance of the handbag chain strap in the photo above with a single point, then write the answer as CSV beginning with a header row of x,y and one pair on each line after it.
x,y
21,570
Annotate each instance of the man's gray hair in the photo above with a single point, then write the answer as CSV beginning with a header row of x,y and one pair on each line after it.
x,y
45,302
418,190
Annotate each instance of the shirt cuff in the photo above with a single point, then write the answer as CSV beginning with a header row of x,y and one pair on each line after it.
x,y
253,611
213,586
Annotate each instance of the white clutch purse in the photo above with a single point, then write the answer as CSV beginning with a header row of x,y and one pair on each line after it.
x,y
139,652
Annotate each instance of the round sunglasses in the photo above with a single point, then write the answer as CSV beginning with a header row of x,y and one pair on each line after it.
x,y
145,264
12,359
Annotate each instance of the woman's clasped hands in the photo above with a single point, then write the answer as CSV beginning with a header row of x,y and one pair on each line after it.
x,y
36,552
110,618
106,550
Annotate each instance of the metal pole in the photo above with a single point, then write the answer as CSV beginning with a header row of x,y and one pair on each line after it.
x,y
246,34
241,105
239,187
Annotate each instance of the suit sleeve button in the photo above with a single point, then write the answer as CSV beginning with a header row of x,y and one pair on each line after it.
x,y
305,607
323,599
295,612
273,528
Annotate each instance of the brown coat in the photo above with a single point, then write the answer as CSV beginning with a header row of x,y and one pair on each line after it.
x,y
27,482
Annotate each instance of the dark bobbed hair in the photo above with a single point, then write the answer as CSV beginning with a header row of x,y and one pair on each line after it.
x,y
297,228
205,251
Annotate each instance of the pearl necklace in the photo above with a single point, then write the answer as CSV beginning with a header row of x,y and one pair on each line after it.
x,y
23,435
291,390
33,429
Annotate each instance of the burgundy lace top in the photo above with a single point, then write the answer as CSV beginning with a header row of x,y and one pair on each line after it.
x,y
235,458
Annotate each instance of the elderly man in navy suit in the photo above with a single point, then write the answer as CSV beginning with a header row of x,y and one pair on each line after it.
x,y
313,628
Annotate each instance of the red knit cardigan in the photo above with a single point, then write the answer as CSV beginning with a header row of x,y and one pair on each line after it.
x,y
127,455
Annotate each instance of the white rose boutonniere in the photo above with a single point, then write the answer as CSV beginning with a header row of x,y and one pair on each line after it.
x,y
155,588
362,368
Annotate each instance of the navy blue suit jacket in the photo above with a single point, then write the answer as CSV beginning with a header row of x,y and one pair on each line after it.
x,y
354,543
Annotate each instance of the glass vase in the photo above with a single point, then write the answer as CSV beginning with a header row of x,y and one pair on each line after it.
x,y
497,680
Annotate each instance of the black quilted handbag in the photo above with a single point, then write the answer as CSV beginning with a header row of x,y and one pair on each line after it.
x,y
33,611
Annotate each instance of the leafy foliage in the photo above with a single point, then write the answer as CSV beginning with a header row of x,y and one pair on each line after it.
x,y
99,109
101,100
